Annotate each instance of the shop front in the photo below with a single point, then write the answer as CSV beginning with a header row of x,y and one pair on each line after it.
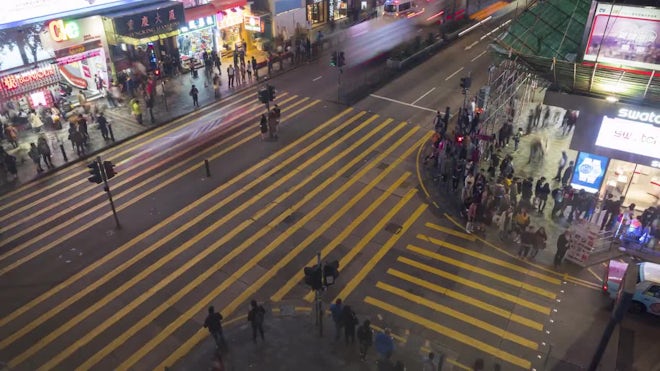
x,y
317,11
619,149
140,39
231,29
198,36
29,89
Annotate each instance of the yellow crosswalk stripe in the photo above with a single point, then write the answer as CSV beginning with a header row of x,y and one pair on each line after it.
x,y
458,315
484,272
492,260
476,285
327,249
449,332
375,259
453,232
264,279
467,299
201,255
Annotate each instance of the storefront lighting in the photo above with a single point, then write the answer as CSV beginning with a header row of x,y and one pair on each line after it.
x,y
612,99
123,47
184,29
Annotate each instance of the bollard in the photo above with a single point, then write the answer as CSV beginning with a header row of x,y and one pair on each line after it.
x,y
208,170
112,135
63,152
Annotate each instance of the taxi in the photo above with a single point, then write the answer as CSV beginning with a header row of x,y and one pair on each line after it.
x,y
647,293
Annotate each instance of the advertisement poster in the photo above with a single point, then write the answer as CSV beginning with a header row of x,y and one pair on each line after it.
x,y
629,136
625,36
589,172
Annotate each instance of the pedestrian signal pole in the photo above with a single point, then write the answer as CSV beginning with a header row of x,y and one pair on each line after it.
x,y
100,173
318,278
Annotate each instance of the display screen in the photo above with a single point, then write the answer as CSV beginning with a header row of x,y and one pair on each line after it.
x,y
629,136
589,172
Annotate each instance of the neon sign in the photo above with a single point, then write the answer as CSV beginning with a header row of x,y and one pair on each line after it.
x,y
12,82
650,117
61,31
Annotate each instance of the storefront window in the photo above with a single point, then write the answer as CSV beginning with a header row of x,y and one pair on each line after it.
x,y
316,12
337,9
638,183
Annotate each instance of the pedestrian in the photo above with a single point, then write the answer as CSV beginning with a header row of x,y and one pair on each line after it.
x,y
526,242
35,156
109,97
77,139
336,307
82,127
256,318
9,162
516,139
243,71
430,363
248,69
568,174
136,110
349,321
194,93
35,121
103,125
540,239
272,124
216,85
149,102
255,68
384,344
563,241
543,197
562,164
12,135
213,322
230,75
44,151
365,337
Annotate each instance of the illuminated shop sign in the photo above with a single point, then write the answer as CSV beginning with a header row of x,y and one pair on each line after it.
x,y
253,23
151,22
629,136
230,17
78,57
61,31
645,116
13,82
199,23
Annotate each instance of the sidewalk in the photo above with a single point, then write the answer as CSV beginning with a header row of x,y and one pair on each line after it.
x,y
291,331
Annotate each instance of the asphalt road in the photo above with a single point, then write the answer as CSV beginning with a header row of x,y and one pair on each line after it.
x,y
80,294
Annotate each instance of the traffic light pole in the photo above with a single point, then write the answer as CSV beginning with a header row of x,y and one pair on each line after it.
x,y
106,188
319,303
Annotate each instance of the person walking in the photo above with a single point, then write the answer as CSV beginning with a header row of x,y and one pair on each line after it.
x,y
35,121
335,309
77,139
255,68
44,151
9,162
12,135
216,85
563,241
35,156
272,124
543,197
256,318
365,337
136,110
516,139
263,126
230,75
568,174
540,239
194,93
562,163
103,125
243,71
213,322
384,344
82,127
430,363
248,69
349,321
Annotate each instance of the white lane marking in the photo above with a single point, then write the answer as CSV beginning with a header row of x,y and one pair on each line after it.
x,y
471,45
425,94
400,102
495,29
317,79
474,26
480,54
454,74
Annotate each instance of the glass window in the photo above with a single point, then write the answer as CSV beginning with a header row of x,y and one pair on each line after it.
x,y
405,6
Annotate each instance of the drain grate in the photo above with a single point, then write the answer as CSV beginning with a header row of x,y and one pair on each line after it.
x,y
393,228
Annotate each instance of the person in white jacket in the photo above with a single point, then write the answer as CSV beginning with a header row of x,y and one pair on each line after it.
x,y
35,121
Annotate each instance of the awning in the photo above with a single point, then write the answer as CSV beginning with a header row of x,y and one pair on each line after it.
x,y
228,4
198,12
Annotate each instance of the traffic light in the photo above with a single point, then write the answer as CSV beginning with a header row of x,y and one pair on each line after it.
x,y
109,168
466,82
157,73
341,61
333,59
95,172
313,277
271,93
330,272
459,139
262,94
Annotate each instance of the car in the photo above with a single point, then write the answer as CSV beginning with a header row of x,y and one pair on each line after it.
x,y
647,290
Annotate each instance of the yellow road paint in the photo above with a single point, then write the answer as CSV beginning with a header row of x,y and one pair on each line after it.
x,y
353,252
130,194
144,252
451,333
507,335
489,10
492,260
47,183
419,171
69,195
453,232
470,300
267,275
599,278
369,266
208,250
399,338
484,272
424,351
327,249
475,285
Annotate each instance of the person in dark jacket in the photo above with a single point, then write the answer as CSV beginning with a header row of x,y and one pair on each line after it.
x,y
256,318
568,174
35,156
103,126
543,197
263,126
526,190
349,321
365,337
563,242
44,151
214,324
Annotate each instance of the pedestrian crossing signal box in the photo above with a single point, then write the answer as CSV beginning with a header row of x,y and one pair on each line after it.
x,y
313,277
95,172
262,94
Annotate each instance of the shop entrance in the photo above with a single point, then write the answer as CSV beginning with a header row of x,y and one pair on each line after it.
x,y
639,184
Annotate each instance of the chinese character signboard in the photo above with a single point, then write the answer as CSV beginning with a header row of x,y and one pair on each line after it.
x,y
151,22
23,82
624,35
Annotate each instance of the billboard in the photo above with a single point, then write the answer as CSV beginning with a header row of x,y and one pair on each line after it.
x,y
625,36
589,172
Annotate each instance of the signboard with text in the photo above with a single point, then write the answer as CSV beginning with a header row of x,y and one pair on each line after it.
x,y
64,34
151,21
625,36
20,83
